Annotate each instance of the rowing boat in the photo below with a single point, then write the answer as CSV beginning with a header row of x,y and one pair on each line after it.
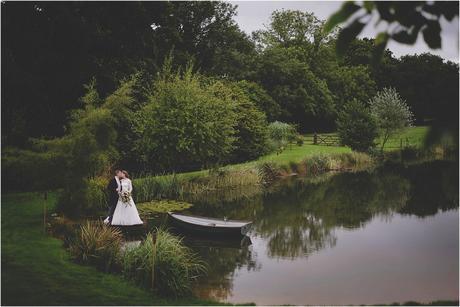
x,y
210,225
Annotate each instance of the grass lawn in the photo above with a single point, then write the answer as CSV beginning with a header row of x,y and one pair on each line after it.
x,y
37,270
294,153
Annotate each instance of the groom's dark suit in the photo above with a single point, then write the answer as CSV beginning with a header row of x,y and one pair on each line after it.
x,y
113,196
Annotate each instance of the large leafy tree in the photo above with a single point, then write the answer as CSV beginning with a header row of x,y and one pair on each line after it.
x,y
304,98
51,49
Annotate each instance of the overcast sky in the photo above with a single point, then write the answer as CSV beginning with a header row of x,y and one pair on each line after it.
x,y
252,15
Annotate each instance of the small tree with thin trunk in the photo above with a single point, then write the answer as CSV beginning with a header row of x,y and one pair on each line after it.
x,y
391,113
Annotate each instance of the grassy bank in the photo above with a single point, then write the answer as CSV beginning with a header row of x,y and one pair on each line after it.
x,y
294,159
294,153
37,270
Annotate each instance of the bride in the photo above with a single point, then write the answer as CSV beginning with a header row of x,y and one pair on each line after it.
x,y
125,212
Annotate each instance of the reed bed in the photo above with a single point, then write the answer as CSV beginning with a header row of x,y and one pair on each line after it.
x,y
97,244
174,266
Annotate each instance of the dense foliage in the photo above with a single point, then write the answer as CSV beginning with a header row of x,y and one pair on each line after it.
x,y
191,122
174,265
357,127
390,112
135,115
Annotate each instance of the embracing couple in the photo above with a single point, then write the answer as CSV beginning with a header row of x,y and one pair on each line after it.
x,y
122,210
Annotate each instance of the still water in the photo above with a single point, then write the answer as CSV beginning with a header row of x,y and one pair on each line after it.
x,y
387,235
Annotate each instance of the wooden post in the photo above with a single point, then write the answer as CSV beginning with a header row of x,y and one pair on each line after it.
x,y
153,259
45,198
315,139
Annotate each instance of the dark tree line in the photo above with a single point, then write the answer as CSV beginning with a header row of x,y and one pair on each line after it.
x,y
51,49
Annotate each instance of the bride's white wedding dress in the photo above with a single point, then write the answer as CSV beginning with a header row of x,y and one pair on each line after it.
x,y
126,213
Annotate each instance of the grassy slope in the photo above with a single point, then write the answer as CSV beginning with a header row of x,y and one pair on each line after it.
x,y
38,271
296,153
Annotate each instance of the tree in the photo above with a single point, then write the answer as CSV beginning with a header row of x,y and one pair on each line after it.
x,y
304,98
356,126
251,123
186,125
260,98
289,28
390,112
74,42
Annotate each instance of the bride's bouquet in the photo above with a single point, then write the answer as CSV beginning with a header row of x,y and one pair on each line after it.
x,y
126,197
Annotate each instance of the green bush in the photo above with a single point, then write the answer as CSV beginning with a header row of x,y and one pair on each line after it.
x,y
261,99
251,124
281,133
186,125
175,266
96,195
356,127
29,170
97,244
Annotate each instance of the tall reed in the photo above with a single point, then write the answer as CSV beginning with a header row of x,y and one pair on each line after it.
x,y
96,243
174,265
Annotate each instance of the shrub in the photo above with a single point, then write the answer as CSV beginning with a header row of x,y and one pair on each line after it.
x,y
175,266
251,128
25,170
281,133
356,127
390,112
186,125
98,244
299,140
95,193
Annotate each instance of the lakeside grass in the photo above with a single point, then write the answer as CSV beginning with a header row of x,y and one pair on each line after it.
x,y
294,153
37,270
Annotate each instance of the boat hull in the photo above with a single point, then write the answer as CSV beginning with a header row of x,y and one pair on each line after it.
x,y
208,230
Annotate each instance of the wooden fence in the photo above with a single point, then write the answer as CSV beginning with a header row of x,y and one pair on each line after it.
x,y
325,139
333,140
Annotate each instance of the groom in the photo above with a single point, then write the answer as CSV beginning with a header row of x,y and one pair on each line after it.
x,y
113,188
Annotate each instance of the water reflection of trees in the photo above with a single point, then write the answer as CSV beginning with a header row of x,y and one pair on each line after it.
x,y
434,187
298,217
222,263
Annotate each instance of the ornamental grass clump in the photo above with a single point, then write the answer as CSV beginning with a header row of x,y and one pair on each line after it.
x,y
174,265
97,244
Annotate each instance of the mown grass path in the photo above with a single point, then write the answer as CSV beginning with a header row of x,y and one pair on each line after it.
x,y
37,270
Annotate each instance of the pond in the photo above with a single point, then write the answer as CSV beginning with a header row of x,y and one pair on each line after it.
x,y
382,236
